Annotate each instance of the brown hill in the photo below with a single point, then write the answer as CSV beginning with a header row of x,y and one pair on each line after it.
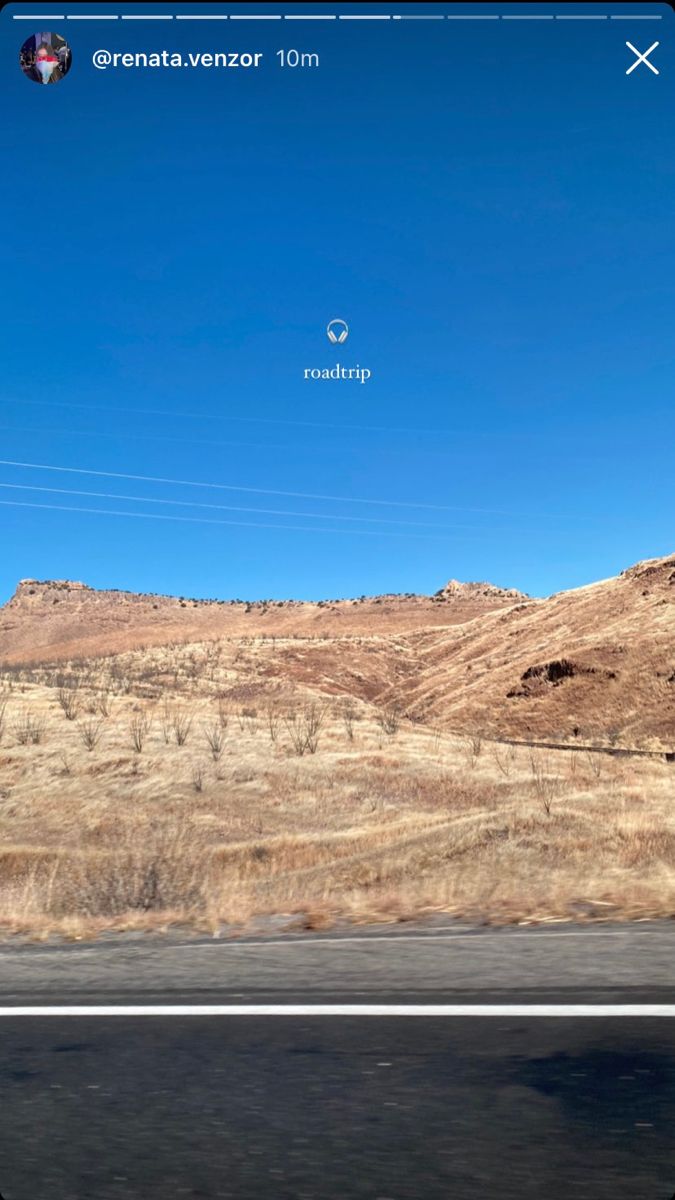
x,y
594,663
58,619
174,761
598,661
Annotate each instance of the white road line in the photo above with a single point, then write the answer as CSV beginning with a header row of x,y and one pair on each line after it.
x,y
343,1010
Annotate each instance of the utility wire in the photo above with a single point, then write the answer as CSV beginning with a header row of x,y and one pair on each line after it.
x,y
229,487
111,512
269,512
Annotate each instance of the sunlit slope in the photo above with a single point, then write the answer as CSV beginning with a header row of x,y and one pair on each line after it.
x,y
595,662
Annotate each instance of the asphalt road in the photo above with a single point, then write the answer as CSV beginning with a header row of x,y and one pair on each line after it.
x,y
319,1106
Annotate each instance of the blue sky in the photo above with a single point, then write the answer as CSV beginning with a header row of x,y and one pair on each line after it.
x,y
490,207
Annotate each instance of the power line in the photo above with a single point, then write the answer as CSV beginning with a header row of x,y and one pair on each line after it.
x,y
229,487
111,512
270,512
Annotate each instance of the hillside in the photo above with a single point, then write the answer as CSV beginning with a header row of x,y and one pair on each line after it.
x,y
595,662
165,761
59,619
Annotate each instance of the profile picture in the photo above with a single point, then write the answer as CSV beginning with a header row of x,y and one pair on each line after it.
x,y
45,57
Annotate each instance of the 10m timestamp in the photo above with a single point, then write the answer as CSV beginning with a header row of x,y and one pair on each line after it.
x,y
297,58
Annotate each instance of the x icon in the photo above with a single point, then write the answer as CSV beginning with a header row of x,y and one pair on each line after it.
x,y
642,58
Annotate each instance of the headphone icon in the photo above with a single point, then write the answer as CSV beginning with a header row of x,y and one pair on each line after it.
x,y
337,330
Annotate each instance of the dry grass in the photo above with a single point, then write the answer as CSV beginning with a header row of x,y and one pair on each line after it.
x,y
169,793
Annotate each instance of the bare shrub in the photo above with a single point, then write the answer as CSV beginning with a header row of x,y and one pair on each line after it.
x,y
295,729
90,732
104,702
150,868
68,702
139,727
3,709
28,730
474,747
272,715
349,715
214,737
181,723
304,727
119,680
223,715
503,758
198,777
547,787
314,717
389,719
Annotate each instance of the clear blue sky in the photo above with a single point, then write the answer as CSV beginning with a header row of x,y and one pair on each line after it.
x,y
490,206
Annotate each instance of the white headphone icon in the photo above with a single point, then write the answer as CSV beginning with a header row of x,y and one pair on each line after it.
x,y
337,330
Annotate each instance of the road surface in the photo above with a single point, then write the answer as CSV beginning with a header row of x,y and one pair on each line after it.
x,y
349,1097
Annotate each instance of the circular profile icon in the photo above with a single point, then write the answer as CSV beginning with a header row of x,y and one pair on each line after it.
x,y
45,57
